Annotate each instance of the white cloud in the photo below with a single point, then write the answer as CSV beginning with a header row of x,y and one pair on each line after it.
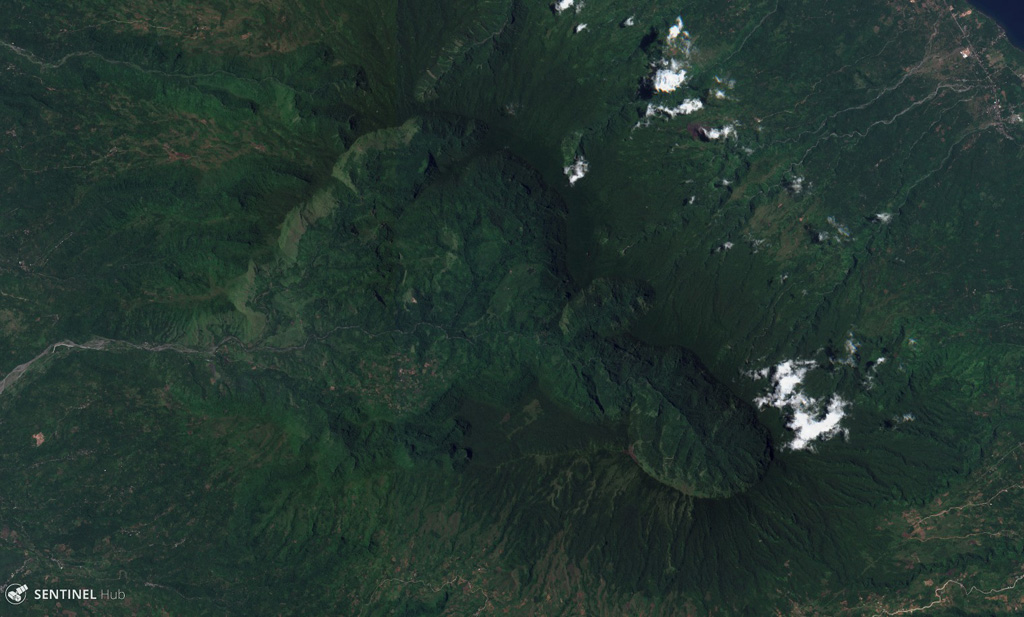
x,y
670,72
631,20
577,170
806,417
850,347
786,378
580,28
670,76
675,31
562,5
678,38
686,107
728,83
726,131
812,425
841,229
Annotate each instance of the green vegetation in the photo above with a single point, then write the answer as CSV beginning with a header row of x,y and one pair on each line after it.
x,y
301,314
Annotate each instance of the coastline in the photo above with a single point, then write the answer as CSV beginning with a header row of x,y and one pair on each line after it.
x,y
1008,14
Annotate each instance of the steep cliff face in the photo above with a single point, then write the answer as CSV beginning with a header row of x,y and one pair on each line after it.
x,y
693,434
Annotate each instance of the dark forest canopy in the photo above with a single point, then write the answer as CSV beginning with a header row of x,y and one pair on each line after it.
x,y
508,307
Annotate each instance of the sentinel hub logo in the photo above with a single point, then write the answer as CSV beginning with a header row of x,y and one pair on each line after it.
x,y
65,594
16,593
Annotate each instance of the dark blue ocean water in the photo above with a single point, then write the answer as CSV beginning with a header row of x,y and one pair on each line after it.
x,y
1009,14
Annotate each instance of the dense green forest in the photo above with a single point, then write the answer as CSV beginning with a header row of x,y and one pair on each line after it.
x,y
338,307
